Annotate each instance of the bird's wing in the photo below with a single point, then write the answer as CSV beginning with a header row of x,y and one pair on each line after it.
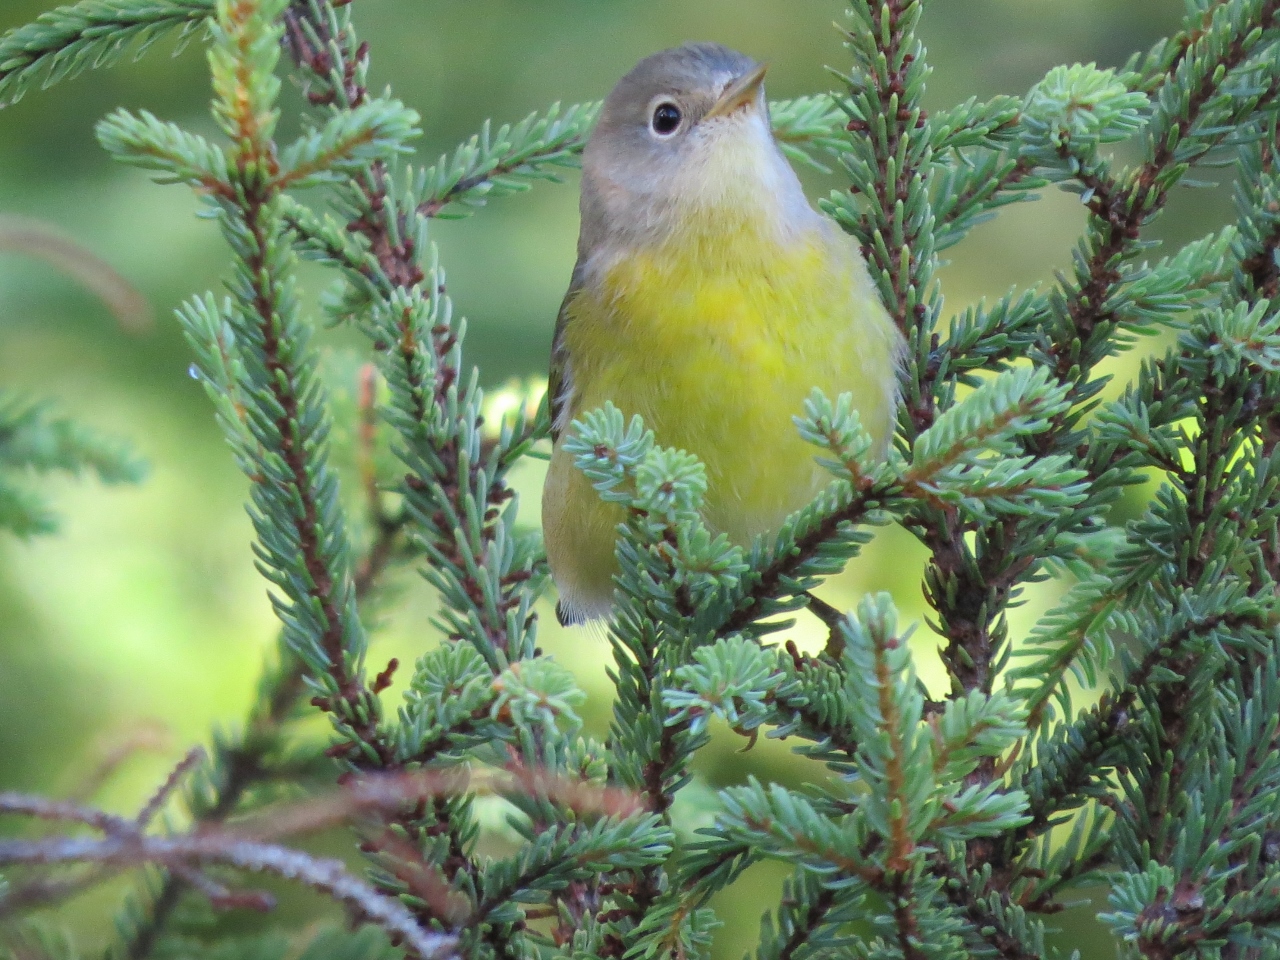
x,y
560,379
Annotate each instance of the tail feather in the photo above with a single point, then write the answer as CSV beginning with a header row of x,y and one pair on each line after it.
x,y
569,616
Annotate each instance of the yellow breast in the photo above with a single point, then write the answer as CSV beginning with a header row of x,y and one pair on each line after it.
x,y
716,345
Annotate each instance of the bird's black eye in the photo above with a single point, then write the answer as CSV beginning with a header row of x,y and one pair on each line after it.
x,y
666,117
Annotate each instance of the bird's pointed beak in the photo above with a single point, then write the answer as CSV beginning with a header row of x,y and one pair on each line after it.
x,y
740,93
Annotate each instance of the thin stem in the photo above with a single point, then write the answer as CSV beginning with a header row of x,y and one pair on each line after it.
x,y
61,43
243,761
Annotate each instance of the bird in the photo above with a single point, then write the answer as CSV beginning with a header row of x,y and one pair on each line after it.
x,y
710,298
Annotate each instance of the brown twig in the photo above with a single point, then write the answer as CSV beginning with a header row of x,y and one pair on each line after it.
x,y
125,301
195,756
127,850
149,736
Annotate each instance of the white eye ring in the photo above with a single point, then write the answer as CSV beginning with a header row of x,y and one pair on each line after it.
x,y
665,118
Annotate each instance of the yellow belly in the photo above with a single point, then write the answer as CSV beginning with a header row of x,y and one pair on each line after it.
x,y
717,355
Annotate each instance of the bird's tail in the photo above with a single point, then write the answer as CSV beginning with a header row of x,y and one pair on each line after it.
x,y
569,616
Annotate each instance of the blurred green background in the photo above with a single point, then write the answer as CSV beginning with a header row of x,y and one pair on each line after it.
x,y
144,619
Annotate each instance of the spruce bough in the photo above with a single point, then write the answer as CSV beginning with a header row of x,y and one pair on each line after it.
x,y
943,823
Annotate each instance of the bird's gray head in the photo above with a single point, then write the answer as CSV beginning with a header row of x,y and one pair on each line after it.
x,y
684,139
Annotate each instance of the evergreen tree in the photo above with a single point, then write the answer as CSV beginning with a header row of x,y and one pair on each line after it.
x,y
941,824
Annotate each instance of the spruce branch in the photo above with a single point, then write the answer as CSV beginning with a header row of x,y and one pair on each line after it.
x,y
1256,191
454,488
803,915
1067,765
789,826
685,574
892,165
324,240
1060,136
35,443
1074,638
496,164
274,349
244,759
347,143
968,194
424,368
992,924
889,85
811,718
279,432
181,157
66,41
1197,91
818,541
892,749
125,846
505,162
808,125
941,829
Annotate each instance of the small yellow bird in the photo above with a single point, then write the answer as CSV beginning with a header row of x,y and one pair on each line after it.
x,y
709,298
